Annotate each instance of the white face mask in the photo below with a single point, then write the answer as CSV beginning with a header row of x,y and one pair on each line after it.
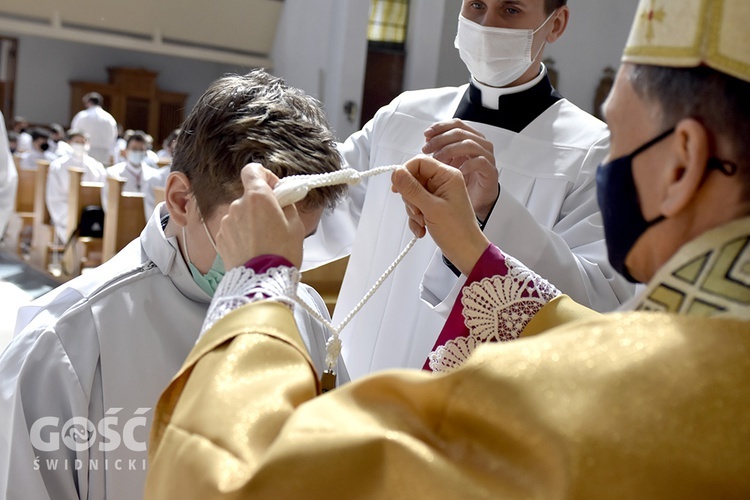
x,y
495,56
136,157
79,149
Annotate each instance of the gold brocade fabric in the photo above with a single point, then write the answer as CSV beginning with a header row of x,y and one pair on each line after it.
x,y
635,405
709,276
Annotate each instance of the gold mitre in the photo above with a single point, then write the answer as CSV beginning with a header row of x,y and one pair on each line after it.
x,y
689,33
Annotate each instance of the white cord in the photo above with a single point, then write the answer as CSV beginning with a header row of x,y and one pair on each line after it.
x,y
294,188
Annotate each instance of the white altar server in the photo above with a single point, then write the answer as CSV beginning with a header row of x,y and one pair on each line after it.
x,y
58,180
529,157
139,175
79,380
100,125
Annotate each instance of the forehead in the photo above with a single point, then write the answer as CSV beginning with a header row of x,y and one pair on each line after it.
x,y
623,101
136,143
492,4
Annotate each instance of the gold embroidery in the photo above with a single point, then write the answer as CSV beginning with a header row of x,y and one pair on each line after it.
x,y
709,276
651,16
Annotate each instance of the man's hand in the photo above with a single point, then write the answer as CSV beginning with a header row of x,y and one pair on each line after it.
x,y
437,200
257,225
455,143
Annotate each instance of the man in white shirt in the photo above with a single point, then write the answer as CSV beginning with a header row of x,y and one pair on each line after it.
x,y
58,180
78,382
100,125
39,150
529,157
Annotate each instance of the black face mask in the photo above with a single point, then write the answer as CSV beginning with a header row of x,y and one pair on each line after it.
x,y
44,146
621,208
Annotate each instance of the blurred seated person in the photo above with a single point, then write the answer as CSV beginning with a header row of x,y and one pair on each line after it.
x,y
58,180
167,151
39,149
13,141
119,155
57,144
20,127
140,176
8,179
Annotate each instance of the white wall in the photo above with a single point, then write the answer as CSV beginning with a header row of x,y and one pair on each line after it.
x,y
45,66
321,47
594,39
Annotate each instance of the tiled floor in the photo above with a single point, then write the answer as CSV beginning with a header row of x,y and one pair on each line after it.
x,y
19,284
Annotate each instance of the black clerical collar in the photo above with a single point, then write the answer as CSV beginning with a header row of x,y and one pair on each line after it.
x,y
515,111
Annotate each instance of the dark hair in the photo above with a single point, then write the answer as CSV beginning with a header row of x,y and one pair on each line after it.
x,y
254,118
551,5
719,101
57,129
136,135
39,133
94,98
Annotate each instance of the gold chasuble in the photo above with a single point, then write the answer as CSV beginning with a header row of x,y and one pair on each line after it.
x,y
629,405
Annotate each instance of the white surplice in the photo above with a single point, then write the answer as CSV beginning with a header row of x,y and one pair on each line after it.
x,y
8,179
547,216
101,128
103,347
58,186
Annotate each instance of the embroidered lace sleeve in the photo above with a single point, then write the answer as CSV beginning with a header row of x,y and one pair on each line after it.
x,y
243,285
494,306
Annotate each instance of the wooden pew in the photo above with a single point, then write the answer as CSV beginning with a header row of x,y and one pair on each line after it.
x,y
43,232
87,251
25,193
327,280
124,220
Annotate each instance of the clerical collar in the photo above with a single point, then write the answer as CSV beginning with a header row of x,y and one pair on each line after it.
x,y
490,96
513,108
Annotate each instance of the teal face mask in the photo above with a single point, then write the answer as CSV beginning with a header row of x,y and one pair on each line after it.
x,y
208,282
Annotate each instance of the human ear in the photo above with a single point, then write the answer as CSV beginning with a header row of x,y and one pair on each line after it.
x,y
559,24
177,193
691,150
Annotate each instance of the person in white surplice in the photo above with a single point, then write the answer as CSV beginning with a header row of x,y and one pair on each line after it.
x,y
8,179
58,180
88,361
100,125
529,156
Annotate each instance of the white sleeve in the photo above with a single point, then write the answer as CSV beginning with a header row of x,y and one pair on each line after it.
x,y
58,185
572,255
314,334
39,394
337,229
8,179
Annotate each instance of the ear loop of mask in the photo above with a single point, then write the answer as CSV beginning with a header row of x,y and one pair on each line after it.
x,y
205,228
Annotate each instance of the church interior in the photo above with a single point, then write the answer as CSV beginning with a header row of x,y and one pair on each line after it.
x,y
150,65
